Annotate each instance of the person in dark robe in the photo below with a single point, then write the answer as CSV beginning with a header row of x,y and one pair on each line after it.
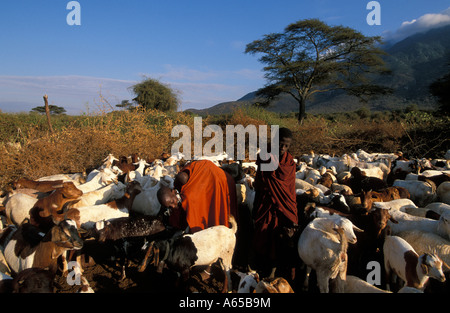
x,y
204,195
275,210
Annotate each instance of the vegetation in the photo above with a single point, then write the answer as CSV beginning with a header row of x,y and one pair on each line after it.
x,y
152,94
311,57
80,143
54,109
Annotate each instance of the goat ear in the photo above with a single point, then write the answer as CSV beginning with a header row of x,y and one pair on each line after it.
x,y
424,268
57,186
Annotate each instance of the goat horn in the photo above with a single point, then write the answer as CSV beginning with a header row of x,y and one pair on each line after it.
x,y
358,229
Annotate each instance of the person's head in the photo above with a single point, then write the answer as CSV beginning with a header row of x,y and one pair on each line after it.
x,y
167,197
285,140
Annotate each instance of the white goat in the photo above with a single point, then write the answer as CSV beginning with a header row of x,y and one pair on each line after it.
x,y
443,192
408,222
438,207
98,179
147,202
424,242
401,259
323,247
395,205
101,196
355,284
422,193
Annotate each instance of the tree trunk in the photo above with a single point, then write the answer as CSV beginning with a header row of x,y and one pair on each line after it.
x,y
301,110
47,112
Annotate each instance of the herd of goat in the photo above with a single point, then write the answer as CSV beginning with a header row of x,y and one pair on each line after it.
x,y
368,222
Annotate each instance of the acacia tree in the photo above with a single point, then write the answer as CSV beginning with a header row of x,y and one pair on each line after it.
x,y
311,57
150,93
52,108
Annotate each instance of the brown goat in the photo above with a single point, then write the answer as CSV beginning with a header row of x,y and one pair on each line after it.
x,y
49,209
383,195
41,186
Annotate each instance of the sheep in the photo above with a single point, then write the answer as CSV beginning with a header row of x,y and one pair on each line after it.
x,y
401,259
424,242
204,247
323,247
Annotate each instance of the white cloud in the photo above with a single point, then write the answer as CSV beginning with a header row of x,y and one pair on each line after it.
x,y
419,25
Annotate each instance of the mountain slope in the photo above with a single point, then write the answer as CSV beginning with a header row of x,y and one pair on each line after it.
x,y
415,62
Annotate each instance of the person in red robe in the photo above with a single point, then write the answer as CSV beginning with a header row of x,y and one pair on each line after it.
x,y
274,207
204,196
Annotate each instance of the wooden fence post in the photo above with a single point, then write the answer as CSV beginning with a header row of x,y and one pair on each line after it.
x,y
47,112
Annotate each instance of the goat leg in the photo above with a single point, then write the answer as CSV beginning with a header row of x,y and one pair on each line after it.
x,y
146,259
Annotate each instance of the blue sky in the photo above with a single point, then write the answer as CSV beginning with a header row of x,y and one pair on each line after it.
x,y
195,46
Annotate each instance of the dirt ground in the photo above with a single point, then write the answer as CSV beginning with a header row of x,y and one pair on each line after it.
x,y
106,277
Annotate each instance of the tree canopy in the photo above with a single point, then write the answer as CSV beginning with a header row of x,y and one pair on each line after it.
x,y
311,57
54,109
150,93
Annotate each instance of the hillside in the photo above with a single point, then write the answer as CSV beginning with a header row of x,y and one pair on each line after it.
x,y
415,62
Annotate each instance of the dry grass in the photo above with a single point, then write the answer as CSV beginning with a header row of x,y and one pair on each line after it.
x,y
81,143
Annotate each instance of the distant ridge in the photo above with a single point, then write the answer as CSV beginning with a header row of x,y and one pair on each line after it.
x,y
416,62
